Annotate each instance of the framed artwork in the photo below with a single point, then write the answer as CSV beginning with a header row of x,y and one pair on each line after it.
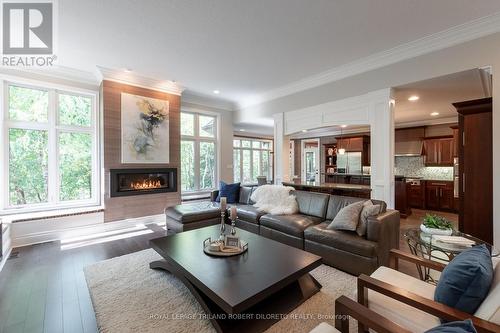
x,y
145,130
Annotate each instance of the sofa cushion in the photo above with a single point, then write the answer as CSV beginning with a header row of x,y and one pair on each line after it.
x,y
342,240
245,193
290,224
407,316
230,191
348,217
337,202
311,203
369,209
466,280
192,212
465,326
490,308
249,213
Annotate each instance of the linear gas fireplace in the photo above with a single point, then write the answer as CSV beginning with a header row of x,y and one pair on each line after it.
x,y
124,182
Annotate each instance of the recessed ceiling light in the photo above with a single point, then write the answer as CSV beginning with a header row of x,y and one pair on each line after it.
x,y
303,131
343,126
413,98
216,92
242,130
435,114
127,70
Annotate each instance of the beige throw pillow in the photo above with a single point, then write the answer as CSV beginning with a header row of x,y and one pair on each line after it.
x,y
369,209
347,218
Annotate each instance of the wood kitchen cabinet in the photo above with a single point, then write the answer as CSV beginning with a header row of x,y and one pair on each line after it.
x,y
439,195
416,194
356,144
438,151
455,130
476,168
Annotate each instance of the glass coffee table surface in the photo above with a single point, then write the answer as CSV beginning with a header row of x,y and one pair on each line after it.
x,y
426,246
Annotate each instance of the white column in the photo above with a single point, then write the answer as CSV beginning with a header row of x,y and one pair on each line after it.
x,y
382,147
281,148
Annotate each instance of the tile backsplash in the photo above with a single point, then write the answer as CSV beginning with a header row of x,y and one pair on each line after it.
x,y
413,166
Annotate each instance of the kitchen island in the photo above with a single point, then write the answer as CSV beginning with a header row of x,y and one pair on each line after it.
x,y
359,190
351,190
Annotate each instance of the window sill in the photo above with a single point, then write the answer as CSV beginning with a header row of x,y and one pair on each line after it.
x,y
23,217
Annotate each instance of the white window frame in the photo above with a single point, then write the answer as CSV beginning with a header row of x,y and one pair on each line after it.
x,y
240,149
197,139
53,128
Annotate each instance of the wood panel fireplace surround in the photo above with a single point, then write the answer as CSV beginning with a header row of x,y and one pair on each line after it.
x,y
126,182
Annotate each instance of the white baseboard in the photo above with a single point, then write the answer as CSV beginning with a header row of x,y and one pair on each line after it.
x,y
47,230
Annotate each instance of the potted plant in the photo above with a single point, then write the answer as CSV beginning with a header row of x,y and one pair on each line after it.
x,y
436,225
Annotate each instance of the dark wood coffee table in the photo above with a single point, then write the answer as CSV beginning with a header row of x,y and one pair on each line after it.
x,y
245,293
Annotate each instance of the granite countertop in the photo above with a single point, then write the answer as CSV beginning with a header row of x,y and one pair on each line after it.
x,y
350,187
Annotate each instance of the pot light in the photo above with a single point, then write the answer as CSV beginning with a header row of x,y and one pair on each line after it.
x,y
435,114
127,70
216,92
304,131
343,126
413,98
242,130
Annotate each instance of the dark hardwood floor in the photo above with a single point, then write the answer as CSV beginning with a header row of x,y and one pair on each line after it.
x,y
43,288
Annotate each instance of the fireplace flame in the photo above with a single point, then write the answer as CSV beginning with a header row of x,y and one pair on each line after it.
x,y
145,184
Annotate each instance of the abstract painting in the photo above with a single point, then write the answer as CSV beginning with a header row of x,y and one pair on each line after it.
x,y
145,129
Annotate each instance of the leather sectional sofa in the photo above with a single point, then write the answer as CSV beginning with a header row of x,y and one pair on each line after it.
x,y
305,230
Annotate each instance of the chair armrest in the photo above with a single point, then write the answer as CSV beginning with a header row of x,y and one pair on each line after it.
x,y
213,195
431,307
396,255
346,307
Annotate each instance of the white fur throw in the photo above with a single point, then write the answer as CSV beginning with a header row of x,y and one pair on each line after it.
x,y
275,199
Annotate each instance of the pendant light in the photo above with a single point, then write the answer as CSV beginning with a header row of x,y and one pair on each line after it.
x,y
341,151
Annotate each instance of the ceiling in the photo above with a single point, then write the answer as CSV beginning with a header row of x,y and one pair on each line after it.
x,y
437,95
245,48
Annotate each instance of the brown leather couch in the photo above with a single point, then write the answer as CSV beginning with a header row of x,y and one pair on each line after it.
x,y
347,250
305,230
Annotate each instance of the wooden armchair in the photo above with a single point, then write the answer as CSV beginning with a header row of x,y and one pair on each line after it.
x,y
346,308
429,306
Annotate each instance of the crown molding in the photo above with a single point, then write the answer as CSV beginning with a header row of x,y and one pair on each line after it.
x,y
130,78
427,122
59,73
447,38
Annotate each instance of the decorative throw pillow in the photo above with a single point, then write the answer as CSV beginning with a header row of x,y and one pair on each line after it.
x,y
465,326
466,280
347,218
230,191
369,209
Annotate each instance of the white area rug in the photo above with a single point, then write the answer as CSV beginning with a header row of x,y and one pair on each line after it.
x,y
128,296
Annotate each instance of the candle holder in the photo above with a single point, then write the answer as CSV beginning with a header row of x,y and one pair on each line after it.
x,y
233,226
222,224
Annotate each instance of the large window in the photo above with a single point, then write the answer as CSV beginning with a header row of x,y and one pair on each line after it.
x,y
198,152
49,142
251,158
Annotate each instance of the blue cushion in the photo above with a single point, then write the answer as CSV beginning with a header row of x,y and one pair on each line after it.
x,y
454,327
230,191
466,280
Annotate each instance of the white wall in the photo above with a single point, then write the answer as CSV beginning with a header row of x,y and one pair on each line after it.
x,y
481,52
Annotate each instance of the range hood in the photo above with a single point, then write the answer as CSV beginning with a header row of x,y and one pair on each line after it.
x,y
408,142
